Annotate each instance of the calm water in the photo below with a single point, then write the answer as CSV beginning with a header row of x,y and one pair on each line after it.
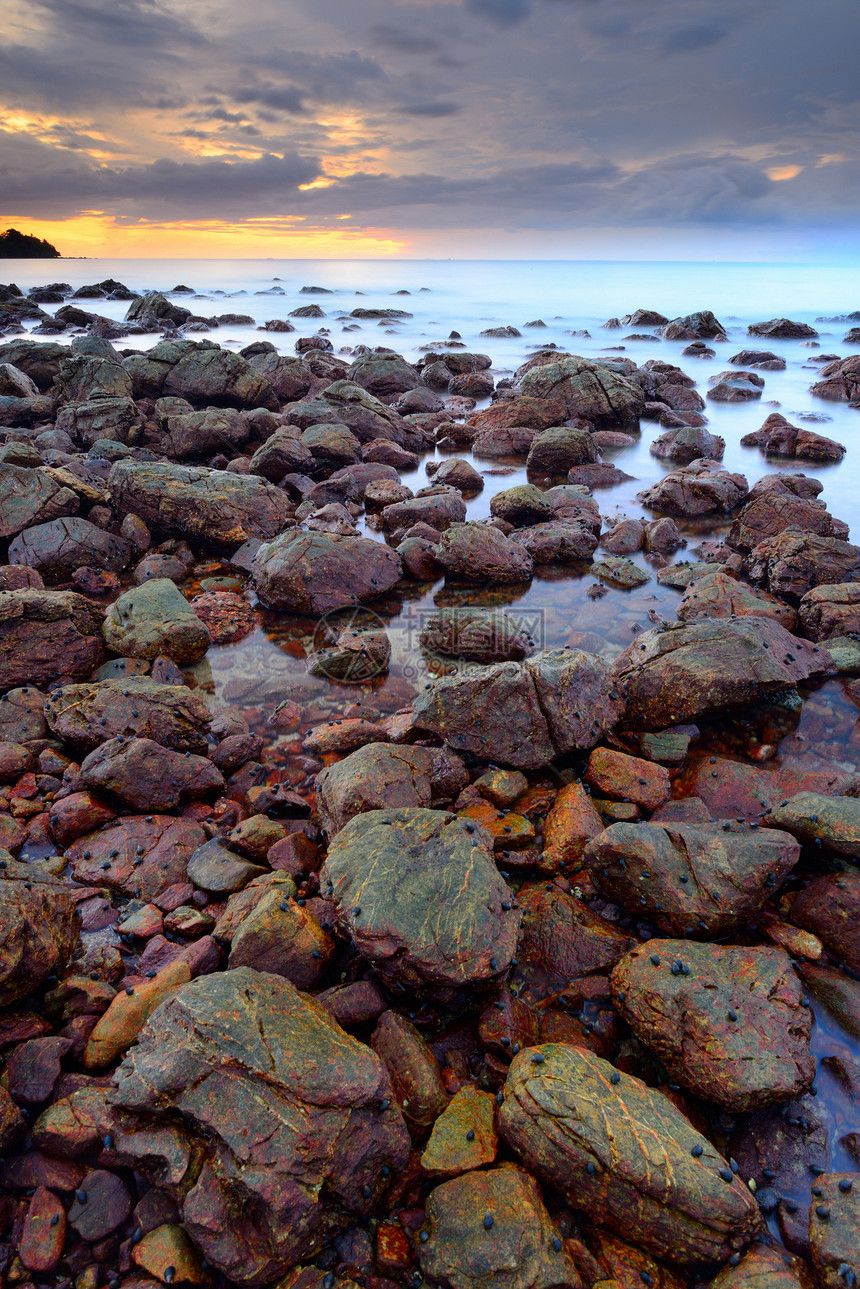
x,y
559,604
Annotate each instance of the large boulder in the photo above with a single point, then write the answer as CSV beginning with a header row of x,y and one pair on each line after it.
x,y
213,505
29,497
518,1249
59,547
385,774
828,611
153,310
692,880
345,403
525,503
46,634
793,562
558,541
522,714
38,360
200,434
383,373
283,453
687,443
813,817
420,897
440,509
265,1122
829,907
476,634
720,595
779,438
728,1023
560,448
701,325
480,552
139,855
586,389
201,373
774,504
155,618
680,673
91,713
311,572
624,1154
288,376
147,776
840,381
39,927
782,329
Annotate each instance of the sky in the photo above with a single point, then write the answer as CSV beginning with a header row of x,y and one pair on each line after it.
x,y
433,128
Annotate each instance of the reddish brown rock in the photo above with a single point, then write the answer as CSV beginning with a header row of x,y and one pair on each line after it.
x,y
44,1234
416,1080
89,714
463,1136
720,595
569,826
141,855
628,778
38,931
827,611
45,634
147,776
830,907
834,1230
562,939
793,562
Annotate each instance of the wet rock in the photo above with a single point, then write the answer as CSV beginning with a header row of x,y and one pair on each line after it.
x,y
827,611
332,446
457,473
782,329
765,1267
38,931
228,617
381,774
730,788
720,595
147,776
735,387
282,938
558,541
776,503
837,993
615,774
214,505
674,675
57,548
106,1206
621,1152
463,1136
30,497
491,1230
356,656
479,552
167,1254
38,360
830,907
688,443
522,714
834,1230
702,488
535,412
345,403
89,714
383,373
731,1027
416,1080
841,380
144,855
560,448
587,389
691,880
476,634
779,438
284,1108
420,897
201,373
509,441
283,453
34,1067
562,939
214,867
44,1233
317,572
524,504
695,326
200,434
794,562
153,620
438,509
763,359
812,817
571,823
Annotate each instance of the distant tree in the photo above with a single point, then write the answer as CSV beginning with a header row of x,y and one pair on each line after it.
x,y
21,246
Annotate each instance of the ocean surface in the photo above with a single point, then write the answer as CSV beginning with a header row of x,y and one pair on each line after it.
x,y
562,604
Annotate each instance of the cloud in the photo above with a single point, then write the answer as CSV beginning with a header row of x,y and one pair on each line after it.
x,y
429,109
504,12
700,35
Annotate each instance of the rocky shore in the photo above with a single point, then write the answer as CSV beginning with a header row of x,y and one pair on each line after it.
x,y
542,973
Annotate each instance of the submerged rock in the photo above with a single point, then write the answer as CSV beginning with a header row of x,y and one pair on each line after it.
x,y
262,1119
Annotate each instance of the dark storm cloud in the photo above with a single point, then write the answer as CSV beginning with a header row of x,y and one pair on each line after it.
x,y
457,113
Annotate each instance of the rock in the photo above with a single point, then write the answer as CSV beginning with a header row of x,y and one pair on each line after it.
x,y
44,1234
356,656
695,326
381,774
837,993
463,1136
571,823
811,816
215,868
702,488
288,376
524,504
841,381
45,634
778,438
33,1068
621,1152
763,359
720,595
618,571
167,1253
834,1230
688,443
691,880
58,548
416,1080
782,329
317,572
438,509
735,387
731,1028
147,776
214,505
145,855
106,1206
420,897
283,453
38,931
345,403
30,497
153,309
291,1125
674,675
764,1267
830,907
560,448
153,620
590,390
281,937
794,562
479,552
827,611
332,446
510,441
522,714
775,504
491,1230
39,361
476,634
91,713
558,541
457,473
383,373
228,617
730,788
200,434
15,384
201,373
562,939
